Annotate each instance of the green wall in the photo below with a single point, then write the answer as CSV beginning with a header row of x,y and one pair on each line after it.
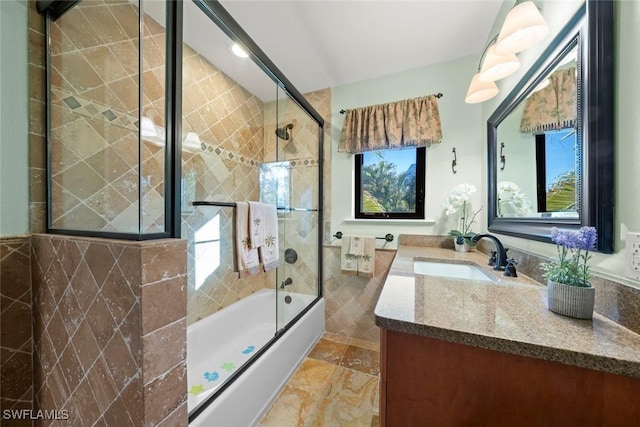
x,y
14,116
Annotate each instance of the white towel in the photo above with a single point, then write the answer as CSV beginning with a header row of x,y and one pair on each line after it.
x,y
247,262
269,251
356,245
366,262
348,261
256,223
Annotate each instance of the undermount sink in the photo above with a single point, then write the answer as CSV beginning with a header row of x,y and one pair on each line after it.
x,y
451,270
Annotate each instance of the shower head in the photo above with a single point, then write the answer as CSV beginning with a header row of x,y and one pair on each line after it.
x,y
283,132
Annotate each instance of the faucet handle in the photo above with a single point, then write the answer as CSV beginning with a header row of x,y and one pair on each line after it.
x,y
510,269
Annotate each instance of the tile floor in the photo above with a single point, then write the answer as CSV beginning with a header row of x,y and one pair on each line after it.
x,y
336,385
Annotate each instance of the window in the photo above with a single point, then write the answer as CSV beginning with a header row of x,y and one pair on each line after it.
x,y
556,171
390,184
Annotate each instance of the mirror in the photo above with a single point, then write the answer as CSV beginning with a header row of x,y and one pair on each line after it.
x,y
550,142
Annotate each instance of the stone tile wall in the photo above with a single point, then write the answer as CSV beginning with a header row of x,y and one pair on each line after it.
x,y
109,330
229,123
350,300
16,372
95,80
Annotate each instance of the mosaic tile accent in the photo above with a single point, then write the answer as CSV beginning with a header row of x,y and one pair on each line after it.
x,y
109,329
16,367
350,300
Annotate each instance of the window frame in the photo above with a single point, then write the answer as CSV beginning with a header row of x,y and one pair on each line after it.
x,y
419,214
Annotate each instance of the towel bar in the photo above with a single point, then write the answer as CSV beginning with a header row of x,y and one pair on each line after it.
x,y
388,237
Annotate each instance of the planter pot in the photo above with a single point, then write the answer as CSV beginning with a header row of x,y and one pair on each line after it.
x,y
462,247
571,301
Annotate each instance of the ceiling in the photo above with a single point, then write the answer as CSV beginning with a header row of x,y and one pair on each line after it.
x,y
326,43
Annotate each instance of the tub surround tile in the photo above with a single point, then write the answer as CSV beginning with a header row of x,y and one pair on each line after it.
x,y
16,326
88,329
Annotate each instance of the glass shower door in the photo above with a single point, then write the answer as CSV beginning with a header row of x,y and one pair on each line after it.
x,y
295,149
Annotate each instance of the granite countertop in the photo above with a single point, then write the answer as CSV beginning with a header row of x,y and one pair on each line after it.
x,y
509,315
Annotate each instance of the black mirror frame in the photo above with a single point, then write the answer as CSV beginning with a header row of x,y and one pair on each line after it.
x,y
593,25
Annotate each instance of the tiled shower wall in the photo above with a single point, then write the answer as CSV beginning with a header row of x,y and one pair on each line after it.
x,y
229,122
95,81
109,330
298,230
16,378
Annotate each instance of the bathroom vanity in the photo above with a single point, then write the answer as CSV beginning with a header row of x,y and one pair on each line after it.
x,y
469,351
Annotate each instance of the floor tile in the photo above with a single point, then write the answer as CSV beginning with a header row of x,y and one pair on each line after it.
x,y
337,337
361,359
328,350
333,413
313,376
375,346
337,385
293,407
354,388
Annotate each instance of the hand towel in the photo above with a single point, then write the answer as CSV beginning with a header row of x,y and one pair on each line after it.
x,y
256,223
348,261
356,245
366,262
269,251
247,262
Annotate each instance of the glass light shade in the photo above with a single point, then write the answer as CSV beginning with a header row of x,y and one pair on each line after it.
x,y
147,127
523,27
496,67
480,91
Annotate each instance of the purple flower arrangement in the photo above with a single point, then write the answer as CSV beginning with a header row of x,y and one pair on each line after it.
x,y
573,255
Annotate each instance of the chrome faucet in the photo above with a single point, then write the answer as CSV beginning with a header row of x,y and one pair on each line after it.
x,y
501,253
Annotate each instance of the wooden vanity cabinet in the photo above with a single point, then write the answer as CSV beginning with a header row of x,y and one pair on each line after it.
x,y
430,382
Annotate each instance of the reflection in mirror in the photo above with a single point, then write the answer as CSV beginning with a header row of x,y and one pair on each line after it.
x,y
540,137
555,134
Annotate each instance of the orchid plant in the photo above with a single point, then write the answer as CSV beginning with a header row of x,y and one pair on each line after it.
x,y
458,202
573,255
511,200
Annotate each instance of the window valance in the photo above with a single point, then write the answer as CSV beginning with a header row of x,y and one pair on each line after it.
x,y
408,123
553,107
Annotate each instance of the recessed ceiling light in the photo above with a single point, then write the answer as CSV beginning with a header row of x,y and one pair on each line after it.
x,y
238,51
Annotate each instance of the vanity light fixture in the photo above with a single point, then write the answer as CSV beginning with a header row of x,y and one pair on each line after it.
x,y
239,51
496,67
523,27
480,91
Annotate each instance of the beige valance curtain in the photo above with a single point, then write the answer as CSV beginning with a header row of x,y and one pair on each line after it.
x,y
409,123
553,107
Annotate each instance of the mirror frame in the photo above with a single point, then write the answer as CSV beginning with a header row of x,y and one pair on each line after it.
x,y
593,26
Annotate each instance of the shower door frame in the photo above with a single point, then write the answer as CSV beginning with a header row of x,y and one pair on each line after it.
x,y
218,14
54,9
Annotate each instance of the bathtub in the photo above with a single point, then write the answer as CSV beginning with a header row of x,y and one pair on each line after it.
x,y
218,345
